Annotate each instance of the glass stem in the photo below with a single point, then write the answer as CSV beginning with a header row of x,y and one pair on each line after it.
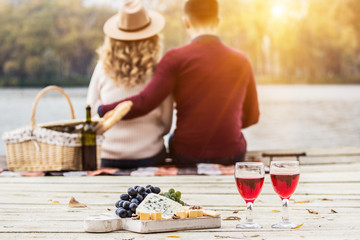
x,y
249,210
285,210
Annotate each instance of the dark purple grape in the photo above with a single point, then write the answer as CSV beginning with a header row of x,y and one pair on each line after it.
x,y
126,205
119,203
157,190
145,194
148,186
139,198
129,213
134,200
141,190
132,192
124,196
133,207
117,212
136,187
152,189
148,190
121,212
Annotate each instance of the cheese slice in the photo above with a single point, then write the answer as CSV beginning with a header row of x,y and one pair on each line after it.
x,y
210,213
200,213
157,203
155,216
193,214
181,214
144,216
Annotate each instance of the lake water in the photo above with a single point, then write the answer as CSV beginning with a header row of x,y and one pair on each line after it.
x,y
292,116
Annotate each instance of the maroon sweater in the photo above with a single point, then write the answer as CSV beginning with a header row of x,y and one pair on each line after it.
x,y
215,95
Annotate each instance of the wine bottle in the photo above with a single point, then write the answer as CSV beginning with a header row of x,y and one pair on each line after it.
x,y
88,139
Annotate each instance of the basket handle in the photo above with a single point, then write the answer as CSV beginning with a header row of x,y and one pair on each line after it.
x,y
40,94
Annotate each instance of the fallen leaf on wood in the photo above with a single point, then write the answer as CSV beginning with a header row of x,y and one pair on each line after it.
x,y
275,211
333,211
235,211
326,199
174,236
218,236
73,203
231,218
306,201
312,211
55,201
298,226
108,209
257,235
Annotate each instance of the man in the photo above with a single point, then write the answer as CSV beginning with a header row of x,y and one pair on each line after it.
x,y
213,88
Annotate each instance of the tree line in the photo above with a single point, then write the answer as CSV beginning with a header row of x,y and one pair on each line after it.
x,y
46,42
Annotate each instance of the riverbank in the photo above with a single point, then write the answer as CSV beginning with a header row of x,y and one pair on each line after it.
x,y
331,80
83,82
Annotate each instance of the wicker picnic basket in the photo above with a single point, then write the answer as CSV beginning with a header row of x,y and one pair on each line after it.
x,y
47,147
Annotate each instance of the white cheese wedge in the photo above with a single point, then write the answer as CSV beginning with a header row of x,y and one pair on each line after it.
x,y
157,203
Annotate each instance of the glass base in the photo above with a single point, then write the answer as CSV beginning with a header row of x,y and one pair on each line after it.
x,y
284,225
249,225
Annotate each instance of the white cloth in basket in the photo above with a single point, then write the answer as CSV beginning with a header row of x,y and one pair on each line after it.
x,y
44,135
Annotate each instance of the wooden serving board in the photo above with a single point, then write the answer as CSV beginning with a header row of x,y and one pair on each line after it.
x,y
111,222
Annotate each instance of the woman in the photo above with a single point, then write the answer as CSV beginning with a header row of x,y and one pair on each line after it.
x,y
128,58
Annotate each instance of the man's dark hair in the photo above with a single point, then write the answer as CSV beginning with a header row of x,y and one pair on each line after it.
x,y
202,12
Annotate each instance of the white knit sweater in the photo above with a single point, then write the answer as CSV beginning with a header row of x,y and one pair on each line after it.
x,y
129,139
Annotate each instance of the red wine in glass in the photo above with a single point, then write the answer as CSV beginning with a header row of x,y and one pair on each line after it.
x,y
249,188
284,178
284,184
249,178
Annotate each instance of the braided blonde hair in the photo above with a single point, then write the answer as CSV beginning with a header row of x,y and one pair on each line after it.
x,y
129,63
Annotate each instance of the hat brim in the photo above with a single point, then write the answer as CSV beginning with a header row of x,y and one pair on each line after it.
x,y
156,25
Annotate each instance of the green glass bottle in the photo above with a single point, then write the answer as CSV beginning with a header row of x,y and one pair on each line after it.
x,y
88,139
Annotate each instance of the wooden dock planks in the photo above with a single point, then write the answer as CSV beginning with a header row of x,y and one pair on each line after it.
x,y
37,207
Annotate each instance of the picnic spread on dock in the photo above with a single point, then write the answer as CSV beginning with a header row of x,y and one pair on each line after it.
x,y
127,172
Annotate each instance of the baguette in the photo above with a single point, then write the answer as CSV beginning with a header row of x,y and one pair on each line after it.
x,y
113,117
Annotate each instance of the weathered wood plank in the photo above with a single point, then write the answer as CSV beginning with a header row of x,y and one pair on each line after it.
x,y
312,222
255,235
302,189
62,214
347,172
216,201
305,178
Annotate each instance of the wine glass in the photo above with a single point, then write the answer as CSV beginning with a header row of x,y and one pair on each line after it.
x,y
249,177
284,177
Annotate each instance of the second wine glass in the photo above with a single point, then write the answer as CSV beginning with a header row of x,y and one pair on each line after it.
x,y
284,177
249,178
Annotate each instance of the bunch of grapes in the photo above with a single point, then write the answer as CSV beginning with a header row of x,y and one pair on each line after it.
x,y
175,196
128,202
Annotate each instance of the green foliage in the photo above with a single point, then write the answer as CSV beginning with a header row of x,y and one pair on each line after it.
x,y
54,41
46,42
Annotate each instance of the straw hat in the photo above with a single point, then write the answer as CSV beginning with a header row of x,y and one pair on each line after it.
x,y
134,22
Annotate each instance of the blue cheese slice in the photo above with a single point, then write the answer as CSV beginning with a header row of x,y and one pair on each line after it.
x,y
157,203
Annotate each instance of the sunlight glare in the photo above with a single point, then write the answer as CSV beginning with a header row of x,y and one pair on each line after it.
x,y
278,10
